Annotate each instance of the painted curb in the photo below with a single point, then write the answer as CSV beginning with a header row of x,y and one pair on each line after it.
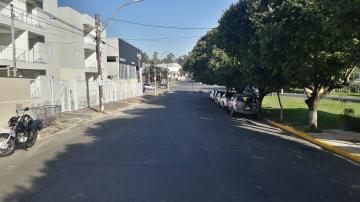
x,y
316,141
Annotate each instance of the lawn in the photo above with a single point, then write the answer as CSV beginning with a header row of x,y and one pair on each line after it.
x,y
296,112
347,94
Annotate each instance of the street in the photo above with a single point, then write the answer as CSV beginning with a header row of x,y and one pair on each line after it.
x,y
177,147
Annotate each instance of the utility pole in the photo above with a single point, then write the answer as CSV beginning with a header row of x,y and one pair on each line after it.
x,y
155,76
140,74
13,38
98,58
168,78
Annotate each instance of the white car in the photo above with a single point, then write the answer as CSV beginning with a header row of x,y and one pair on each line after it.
x,y
217,96
147,86
224,99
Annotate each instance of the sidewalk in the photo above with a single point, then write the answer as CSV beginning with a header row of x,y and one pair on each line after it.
x,y
346,140
340,142
74,118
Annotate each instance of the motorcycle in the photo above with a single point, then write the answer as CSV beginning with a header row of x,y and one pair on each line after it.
x,y
23,131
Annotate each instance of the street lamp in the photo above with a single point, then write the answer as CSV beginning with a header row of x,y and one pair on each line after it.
x,y
98,40
120,7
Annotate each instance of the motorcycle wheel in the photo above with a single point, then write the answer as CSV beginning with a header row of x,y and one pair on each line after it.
x,y
9,149
33,140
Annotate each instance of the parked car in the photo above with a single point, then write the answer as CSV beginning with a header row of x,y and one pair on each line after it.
x,y
218,95
211,94
223,102
243,104
147,86
163,83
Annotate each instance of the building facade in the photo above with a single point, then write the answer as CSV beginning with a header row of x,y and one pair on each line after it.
x,y
55,52
174,70
123,59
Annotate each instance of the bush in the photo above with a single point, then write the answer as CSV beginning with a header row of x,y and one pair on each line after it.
x,y
349,120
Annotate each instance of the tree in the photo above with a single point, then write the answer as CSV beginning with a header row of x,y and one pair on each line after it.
x,y
211,65
272,44
238,26
169,58
155,58
318,55
182,59
145,58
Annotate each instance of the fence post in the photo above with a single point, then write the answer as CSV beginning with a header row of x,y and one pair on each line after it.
x,y
125,90
115,91
76,101
52,90
69,97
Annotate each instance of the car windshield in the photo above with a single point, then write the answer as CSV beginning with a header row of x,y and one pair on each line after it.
x,y
229,95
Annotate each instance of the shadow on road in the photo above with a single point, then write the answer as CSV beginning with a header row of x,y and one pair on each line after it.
x,y
182,148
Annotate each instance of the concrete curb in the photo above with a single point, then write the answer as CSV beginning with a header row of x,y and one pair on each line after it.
x,y
316,141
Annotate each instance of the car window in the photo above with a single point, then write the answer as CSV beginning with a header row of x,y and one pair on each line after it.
x,y
240,98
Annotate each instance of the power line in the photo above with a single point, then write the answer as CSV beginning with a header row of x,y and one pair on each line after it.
x,y
161,39
161,26
60,28
52,16
164,41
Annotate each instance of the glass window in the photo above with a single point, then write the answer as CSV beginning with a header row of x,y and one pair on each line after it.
x,y
111,59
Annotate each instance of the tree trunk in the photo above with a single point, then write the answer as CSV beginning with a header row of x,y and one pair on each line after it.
x,y
313,103
281,106
313,116
261,98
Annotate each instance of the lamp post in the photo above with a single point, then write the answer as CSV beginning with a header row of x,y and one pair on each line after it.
x,y
99,31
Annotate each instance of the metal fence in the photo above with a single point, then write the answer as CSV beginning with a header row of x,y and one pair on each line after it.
x,y
78,94
48,114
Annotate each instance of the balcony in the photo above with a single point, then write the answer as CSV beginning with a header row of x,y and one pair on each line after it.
x,y
26,59
89,43
91,66
22,15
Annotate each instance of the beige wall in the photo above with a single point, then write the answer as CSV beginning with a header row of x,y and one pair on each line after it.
x,y
13,93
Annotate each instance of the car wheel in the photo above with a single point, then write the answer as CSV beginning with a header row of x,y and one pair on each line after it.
x,y
232,113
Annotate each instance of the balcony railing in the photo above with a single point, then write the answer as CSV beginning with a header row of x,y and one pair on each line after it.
x,y
90,63
23,55
89,40
23,16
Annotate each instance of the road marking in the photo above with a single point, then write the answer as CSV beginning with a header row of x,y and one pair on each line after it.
x,y
258,157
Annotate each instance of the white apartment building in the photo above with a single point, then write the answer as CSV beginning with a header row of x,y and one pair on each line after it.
x,y
46,46
55,49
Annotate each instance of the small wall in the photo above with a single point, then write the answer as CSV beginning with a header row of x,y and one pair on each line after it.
x,y
14,92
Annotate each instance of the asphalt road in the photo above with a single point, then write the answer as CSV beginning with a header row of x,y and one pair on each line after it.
x,y
177,147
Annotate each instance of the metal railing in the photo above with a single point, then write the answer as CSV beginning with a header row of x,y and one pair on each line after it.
x,y
23,15
47,113
23,55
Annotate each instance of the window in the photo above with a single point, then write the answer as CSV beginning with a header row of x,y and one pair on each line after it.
x,y
111,59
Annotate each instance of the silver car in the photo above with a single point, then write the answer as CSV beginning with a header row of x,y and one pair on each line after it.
x,y
223,102
243,104
218,95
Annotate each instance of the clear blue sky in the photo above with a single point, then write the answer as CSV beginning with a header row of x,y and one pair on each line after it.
x,y
181,13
